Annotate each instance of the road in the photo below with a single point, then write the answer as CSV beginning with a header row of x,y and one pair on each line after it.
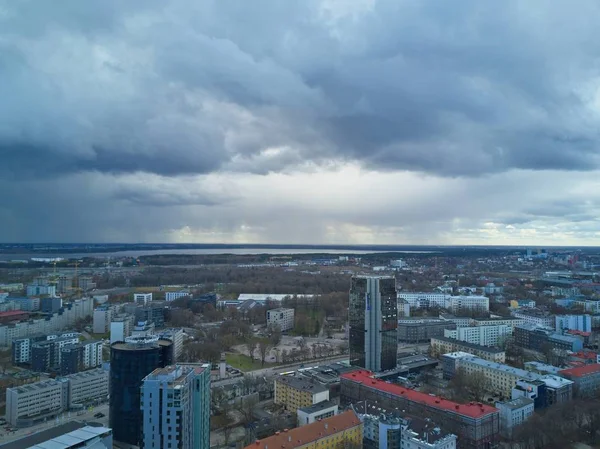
x,y
87,416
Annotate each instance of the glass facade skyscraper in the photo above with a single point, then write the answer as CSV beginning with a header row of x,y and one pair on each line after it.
x,y
130,362
373,319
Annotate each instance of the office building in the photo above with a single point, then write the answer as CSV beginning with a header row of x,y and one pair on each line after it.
x,y
70,435
103,316
142,329
425,300
539,339
373,320
480,335
121,327
422,330
297,392
343,430
130,362
154,311
33,403
513,413
86,388
320,410
176,407
443,345
172,296
475,425
281,317
581,323
176,337
586,379
142,298
50,305
45,355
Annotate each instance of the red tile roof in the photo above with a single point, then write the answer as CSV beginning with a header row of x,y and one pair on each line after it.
x,y
12,313
585,355
289,439
472,409
581,370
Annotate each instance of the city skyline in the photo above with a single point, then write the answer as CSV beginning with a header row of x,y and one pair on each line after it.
x,y
324,121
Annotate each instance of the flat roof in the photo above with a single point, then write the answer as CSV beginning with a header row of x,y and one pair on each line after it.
x,y
318,407
471,410
45,435
581,371
301,384
491,349
517,403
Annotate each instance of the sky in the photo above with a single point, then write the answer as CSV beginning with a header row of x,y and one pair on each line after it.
x,y
300,121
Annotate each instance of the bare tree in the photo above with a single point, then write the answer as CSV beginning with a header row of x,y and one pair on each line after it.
x,y
264,348
251,348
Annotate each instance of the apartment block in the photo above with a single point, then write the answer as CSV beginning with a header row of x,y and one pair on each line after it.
x,y
33,403
535,317
343,430
142,298
533,337
476,425
87,387
513,413
443,345
425,300
586,379
120,328
581,323
175,336
417,330
480,335
457,303
295,392
284,318
102,318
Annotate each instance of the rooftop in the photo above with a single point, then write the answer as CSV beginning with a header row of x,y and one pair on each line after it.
x,y
44,435
318,407
581,371
12,313
469,345
516,403
301,436
471,410
301,384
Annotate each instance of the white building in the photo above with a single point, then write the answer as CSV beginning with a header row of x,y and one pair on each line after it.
x,y
87,387
397,263
514,413
175,336
493,289
581,323
480,335
142,298
102,318
92,353
284,318
403,308
35,402
315,412
40,290
536,318
458,303
172,296
82,437
425,299
120,328
262,298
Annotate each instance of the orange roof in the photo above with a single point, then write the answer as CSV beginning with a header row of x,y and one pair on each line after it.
x,y
288,439
472,409
581,370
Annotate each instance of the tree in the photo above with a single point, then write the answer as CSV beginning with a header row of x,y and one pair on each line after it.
x,y
264,347
251,348
247,408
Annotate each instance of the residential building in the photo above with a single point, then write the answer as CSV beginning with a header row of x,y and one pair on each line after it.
x,y
45,355
176,337
142,298
70,435
443,345
532,337
154,311
586,379
41,290
581,323
422,330
86,283
522,304
296,392
394,432
172,296
87,387
403,308
26,304
103,316
13,315
345,429
50,304
143,328
450,361
462,303
315,412
541,368
480,335
493,289
175,401
513,413
425,300
130,362
281,317
535,316
14,287
373,319
64,284
33,403
21,348
475,425
497,321
71,359
120,328
92,353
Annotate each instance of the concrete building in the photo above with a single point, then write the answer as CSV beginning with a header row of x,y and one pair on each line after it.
x,y
21,348
26,304
64,284
373,320
143,329
45,355
535,317
475,425
343,430
493,289
444,345
581,323
50,304
403,308
120,328
70,435
176,336
86,283
522,304
514,413
176,407
87,387
461,303
92,353
586,379
422,330
532,337
315,412
142,298
33,403
172,296
480,335
102,318
284,318
41,290
295,392
425,300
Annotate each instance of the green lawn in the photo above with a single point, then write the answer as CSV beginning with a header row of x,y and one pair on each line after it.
x,y
242,362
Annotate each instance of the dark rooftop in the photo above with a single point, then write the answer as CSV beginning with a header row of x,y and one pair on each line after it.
x,y
301,384
44,435
469,345
317,407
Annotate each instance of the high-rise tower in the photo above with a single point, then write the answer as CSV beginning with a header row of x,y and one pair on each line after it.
x,y
373,319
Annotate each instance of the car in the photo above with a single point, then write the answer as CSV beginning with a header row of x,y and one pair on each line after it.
x,y
99,415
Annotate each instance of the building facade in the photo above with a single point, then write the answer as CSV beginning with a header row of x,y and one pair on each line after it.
x,y
480,335
87,387
581,323
315,412
102,317
29,404
373,320
172,296
586,379
443,345
418,330
282,317
513,413
142,298
296,392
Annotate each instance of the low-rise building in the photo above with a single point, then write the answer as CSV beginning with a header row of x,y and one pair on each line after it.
x,y
531,336
315,412
419,330
294,392
522,304
142,298
343,430
282,317
586,379
33,403
535,317
172,296
443,345
514,413
70,435
87,387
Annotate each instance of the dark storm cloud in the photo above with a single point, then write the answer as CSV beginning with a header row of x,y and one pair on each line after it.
x,y
439,87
